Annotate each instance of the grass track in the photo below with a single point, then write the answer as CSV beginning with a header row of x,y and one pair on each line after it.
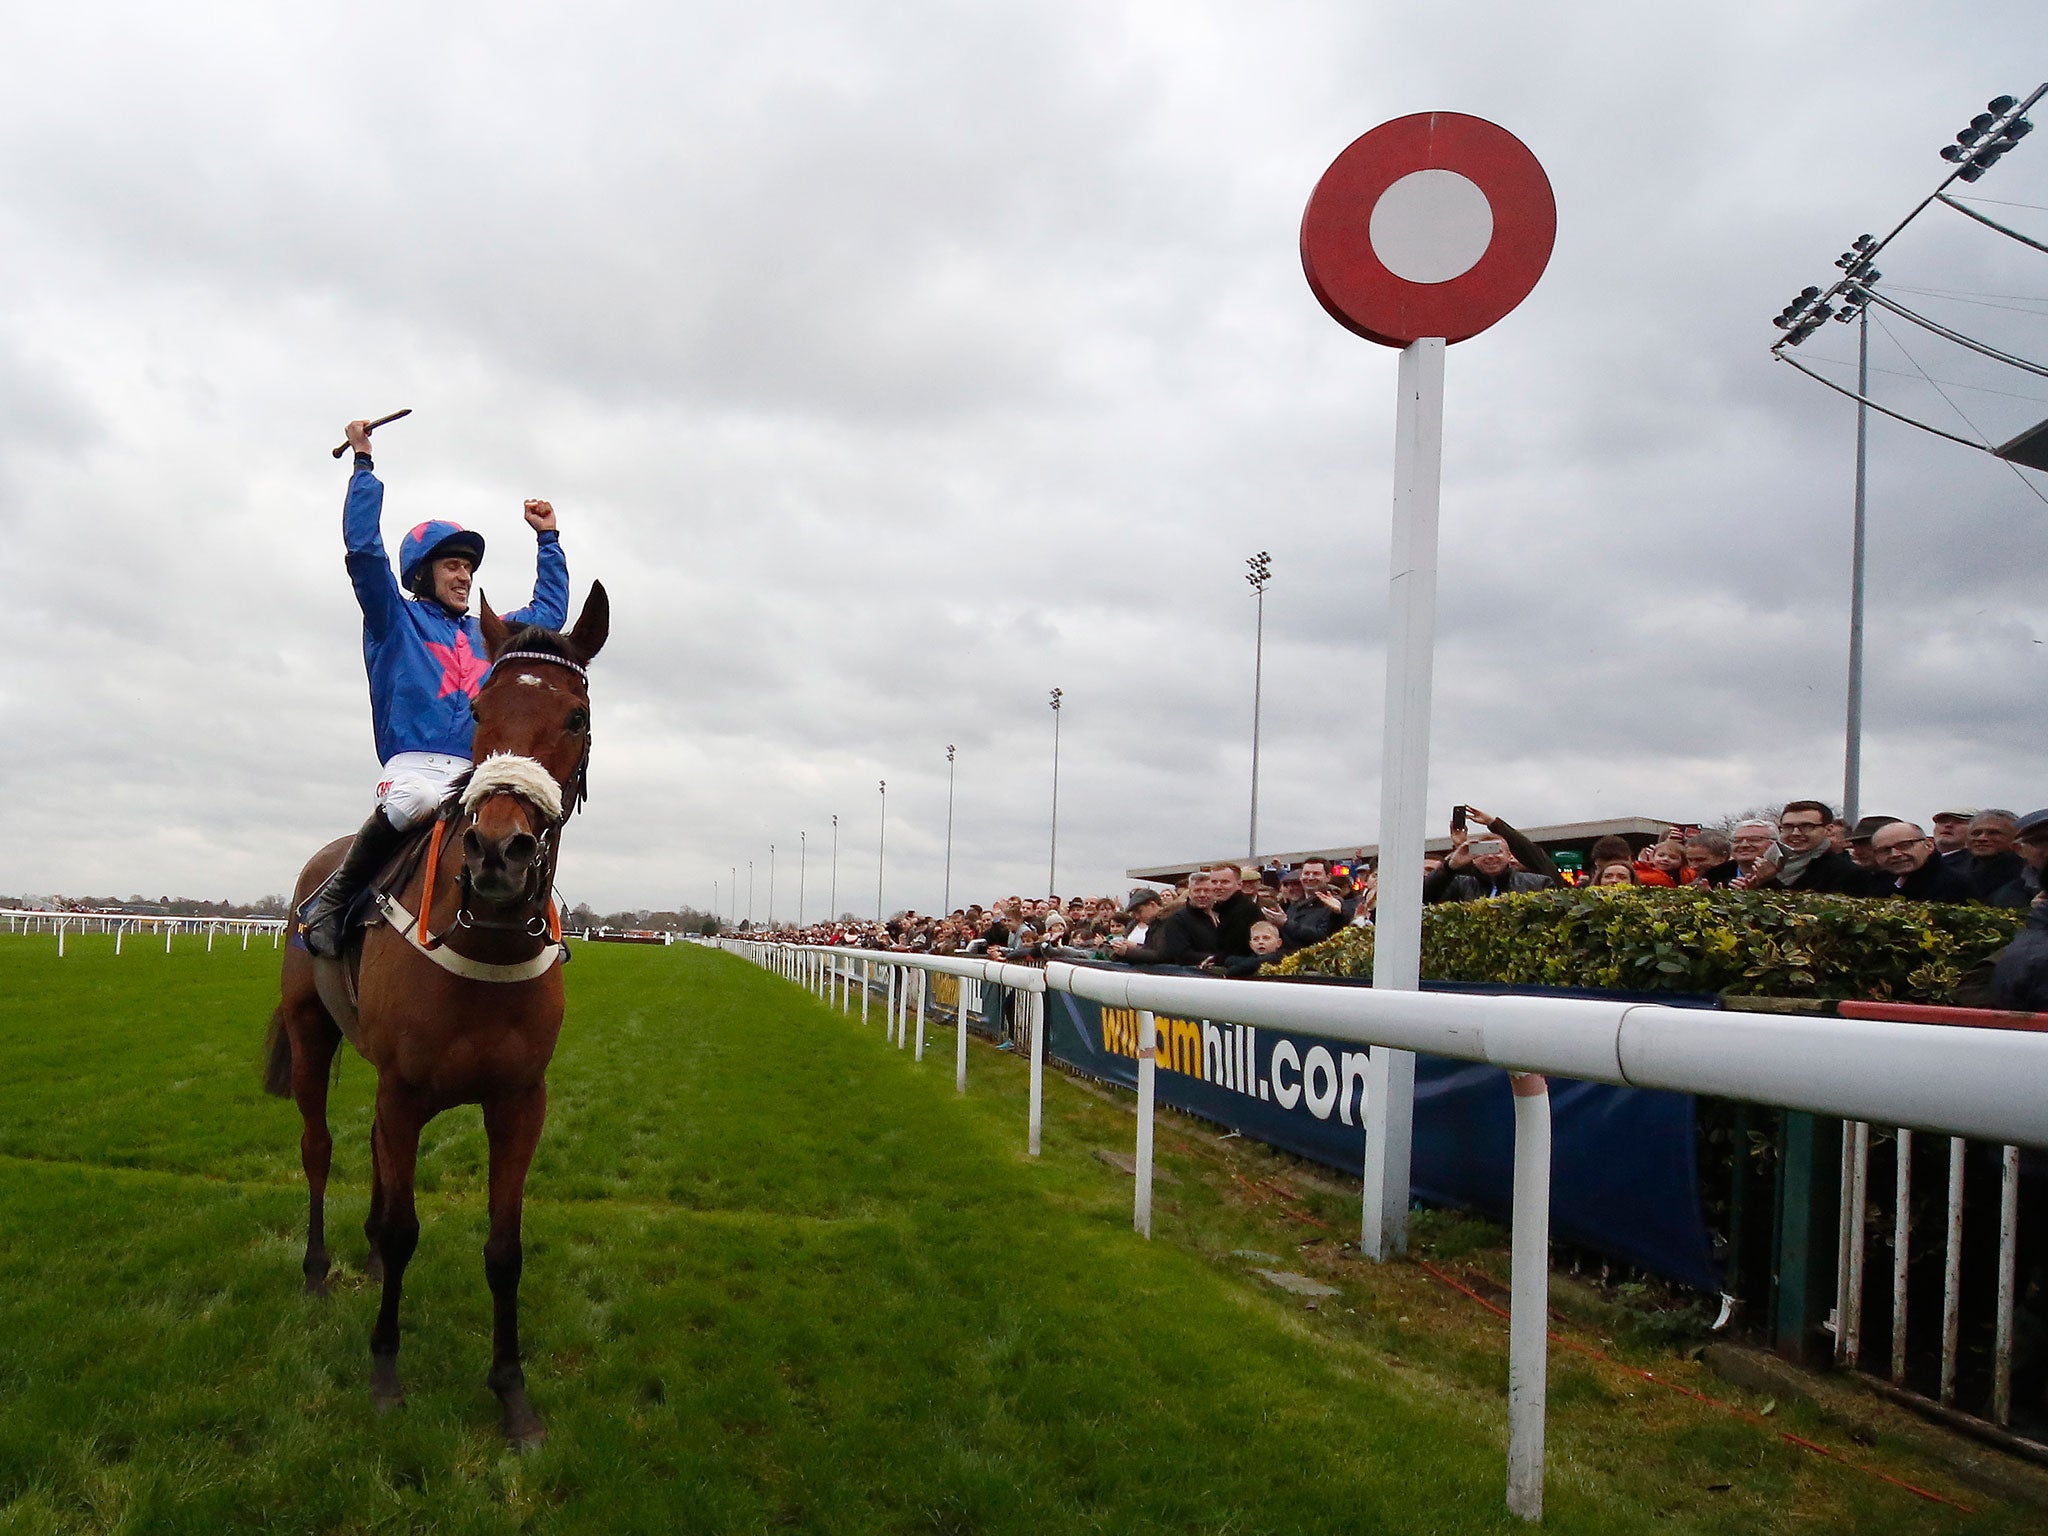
x,y
778,1277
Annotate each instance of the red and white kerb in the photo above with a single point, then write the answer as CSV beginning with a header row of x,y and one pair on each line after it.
x,y
1437,224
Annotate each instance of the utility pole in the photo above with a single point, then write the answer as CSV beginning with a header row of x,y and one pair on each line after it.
x,y
771,885
802,856
1260,573
881,845
1052,869
833,900
750,893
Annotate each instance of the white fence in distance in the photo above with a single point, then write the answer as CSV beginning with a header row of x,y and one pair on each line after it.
x,y
120,924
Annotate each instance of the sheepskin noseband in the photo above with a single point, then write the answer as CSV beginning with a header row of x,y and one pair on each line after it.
x,y
507,773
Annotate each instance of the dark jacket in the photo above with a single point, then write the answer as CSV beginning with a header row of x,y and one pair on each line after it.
x,y
1936,880
1720,874
1188,937
1988,875
2019,976
1833,874
2018,893
1536,874
1309,921
1237,916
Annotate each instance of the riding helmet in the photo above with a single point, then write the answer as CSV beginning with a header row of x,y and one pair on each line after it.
x,y
430,542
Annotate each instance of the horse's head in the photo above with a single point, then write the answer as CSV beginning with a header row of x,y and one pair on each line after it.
x,y
532,745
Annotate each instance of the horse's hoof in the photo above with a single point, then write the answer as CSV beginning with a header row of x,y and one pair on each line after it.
x,y
385,1392
522,1426
373,1268
528,1441
318,1285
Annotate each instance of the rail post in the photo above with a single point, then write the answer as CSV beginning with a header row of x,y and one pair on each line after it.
x,y
922,978
960,1043
1148,1037
1035,1010
1529,1296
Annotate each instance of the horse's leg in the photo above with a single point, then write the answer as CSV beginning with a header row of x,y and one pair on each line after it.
x,y
373,1224
314,1039
400,1117
514,1124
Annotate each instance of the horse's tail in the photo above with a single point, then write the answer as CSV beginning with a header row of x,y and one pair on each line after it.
x,y
277,1052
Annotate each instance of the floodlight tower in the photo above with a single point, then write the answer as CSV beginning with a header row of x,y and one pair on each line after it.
x,y
833,900
881,844
1979,145
1260,572
946,900
1053,859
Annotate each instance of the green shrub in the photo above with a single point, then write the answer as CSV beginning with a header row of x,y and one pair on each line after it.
x,y
1746,943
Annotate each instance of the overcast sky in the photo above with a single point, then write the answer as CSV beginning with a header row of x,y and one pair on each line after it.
x,y
894,364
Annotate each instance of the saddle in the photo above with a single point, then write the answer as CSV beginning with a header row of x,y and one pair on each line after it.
x,y
335,980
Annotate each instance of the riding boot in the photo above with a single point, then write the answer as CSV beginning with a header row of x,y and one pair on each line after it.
x,y
375,843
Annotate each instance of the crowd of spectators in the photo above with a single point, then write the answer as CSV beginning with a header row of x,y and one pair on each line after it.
x,y
1232,918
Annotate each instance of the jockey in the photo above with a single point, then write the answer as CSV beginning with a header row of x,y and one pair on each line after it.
x,y
424,651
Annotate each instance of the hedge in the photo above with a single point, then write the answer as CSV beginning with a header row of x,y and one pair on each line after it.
x,y
1744,943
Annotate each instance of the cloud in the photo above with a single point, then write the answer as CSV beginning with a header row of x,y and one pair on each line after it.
x,y
892,373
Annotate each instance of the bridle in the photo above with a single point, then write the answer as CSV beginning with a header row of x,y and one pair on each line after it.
x,y
540,919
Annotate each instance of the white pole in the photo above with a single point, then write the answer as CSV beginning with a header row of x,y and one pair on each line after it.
x,y
1902,1228
922,978
960,1044
209,938
1850,1323
1952,1274
1404,783
1034,1003
1148,1036
2008,1255
866,976
167,938
1529,1298
889,1005
60,938
117,936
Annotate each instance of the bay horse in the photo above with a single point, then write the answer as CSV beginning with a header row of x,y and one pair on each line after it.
x,y
462,1004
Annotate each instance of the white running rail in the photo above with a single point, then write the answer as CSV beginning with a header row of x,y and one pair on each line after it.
x,y
1943,1078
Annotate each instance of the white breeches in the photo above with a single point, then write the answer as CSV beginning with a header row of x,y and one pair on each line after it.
x,y
414,784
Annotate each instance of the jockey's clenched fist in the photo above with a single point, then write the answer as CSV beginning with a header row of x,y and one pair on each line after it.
x,y
540,516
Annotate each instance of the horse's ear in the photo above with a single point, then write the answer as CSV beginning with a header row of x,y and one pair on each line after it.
x,y
495,632
593,624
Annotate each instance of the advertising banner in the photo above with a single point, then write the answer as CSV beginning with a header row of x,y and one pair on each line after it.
x,y
1624,1179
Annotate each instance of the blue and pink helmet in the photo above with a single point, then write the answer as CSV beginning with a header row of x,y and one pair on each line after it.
x,y
430,542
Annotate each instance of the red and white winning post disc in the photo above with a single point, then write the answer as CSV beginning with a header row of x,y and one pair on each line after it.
x,y
1436,224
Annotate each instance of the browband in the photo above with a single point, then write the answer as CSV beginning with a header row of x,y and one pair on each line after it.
x,y
560,661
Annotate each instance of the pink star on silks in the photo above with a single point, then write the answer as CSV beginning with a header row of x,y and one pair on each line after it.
x,y
462,670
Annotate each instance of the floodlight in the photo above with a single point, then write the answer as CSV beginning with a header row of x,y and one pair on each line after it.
x,y
2001,104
